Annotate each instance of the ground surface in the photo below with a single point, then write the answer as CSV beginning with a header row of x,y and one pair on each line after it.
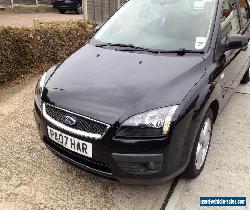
x,y
12,19
227,171
32,177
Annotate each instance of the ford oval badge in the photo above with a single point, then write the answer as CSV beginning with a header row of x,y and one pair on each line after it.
x,y
69,120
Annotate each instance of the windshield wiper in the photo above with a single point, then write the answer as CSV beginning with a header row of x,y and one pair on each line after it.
x,y
180,52
130,47
120,45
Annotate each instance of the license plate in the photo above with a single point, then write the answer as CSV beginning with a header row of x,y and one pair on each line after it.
x,y
70,143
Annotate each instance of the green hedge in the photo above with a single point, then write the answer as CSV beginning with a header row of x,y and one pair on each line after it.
x,y
29,50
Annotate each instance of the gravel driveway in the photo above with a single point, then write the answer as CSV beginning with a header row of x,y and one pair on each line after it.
x,y
32,177
11,19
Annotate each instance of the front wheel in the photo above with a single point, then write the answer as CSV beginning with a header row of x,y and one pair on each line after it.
x,y
79,9
245,78
201,147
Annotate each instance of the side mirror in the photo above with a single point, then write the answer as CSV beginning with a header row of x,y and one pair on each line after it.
x,y
97,28
235,41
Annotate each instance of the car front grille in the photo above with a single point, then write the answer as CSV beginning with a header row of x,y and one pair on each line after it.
x,y
85,124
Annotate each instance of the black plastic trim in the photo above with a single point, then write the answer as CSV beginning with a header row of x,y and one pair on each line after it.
x,y
137,158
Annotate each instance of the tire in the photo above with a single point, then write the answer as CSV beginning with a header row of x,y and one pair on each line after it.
x,y
62,11
79,9
245,78
201,147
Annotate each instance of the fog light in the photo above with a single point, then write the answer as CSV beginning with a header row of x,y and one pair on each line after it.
x,y
139,164
151,165
154,166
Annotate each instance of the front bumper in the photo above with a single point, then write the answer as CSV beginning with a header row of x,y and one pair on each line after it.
x,y
147,161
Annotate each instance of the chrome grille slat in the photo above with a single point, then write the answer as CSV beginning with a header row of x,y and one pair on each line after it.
x,y
84,126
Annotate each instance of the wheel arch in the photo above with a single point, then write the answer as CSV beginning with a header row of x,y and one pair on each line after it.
x,y
215,108
206,99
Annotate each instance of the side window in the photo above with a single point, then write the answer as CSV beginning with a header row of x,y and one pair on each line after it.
x,y
230,23
244,9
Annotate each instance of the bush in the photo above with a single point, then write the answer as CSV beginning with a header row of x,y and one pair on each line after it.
x,y
27,50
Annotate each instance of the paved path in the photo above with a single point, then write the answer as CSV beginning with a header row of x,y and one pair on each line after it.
x,y
227,170
32,177
12,19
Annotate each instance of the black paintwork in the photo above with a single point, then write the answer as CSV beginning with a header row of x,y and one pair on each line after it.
x,y
64,5
111,86
118,85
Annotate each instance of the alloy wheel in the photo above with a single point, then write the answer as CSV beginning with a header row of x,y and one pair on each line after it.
x,y
79,9
203,144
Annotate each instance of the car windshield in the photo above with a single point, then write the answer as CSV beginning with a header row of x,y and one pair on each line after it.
x,y
160,24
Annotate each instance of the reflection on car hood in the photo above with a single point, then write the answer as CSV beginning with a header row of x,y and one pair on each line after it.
x,y
109,85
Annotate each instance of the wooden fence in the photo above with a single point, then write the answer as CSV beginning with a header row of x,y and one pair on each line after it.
x,y
100,10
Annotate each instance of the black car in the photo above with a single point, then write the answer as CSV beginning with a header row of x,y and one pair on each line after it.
x,y
65,5
137,104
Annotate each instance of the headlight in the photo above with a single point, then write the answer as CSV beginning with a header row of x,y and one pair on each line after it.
x,y
153,123
40,85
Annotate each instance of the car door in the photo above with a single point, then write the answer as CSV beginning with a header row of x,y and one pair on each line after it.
x,y
228,61
244,55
